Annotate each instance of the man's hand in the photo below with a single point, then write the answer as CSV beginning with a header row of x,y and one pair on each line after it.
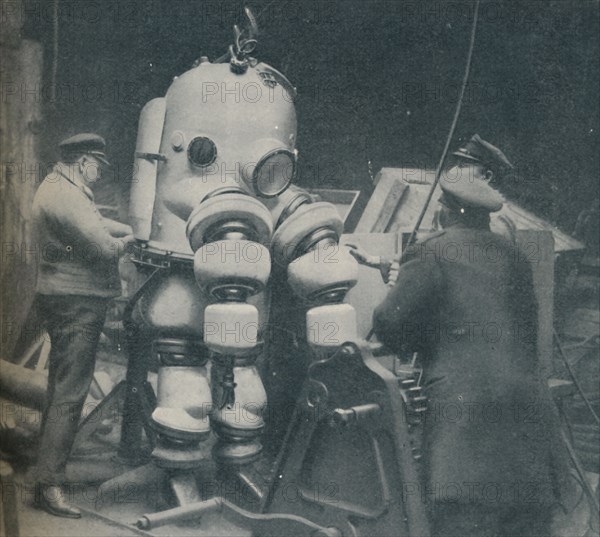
x,y
124,243
117,229
385,266
363,257
391,274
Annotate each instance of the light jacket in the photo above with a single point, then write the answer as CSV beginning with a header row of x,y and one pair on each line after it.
x,y
76,253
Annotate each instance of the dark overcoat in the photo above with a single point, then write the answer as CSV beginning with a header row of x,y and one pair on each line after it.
x,y
464,300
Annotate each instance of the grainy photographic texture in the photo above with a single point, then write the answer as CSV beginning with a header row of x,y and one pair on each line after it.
x,y
300,267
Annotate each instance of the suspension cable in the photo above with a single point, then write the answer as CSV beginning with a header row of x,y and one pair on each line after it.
x,y
440,167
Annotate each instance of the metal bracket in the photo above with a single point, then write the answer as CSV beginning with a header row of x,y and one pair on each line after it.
x,y
151,156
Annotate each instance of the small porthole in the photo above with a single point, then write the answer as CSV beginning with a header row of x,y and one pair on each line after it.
x,y
202,151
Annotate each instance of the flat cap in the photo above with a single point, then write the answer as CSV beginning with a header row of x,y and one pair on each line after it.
x,y
478,150
469,192
85,143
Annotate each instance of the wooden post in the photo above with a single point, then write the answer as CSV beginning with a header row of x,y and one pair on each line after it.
x,y
20,132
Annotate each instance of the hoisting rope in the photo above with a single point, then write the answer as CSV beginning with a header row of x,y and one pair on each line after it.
x,y
440,166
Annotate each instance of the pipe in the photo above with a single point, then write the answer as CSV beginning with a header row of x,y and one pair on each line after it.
x,y
255,521
22,385
22,426
179,514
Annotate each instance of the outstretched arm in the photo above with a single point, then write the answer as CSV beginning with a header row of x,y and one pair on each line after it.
x,y
410,307
374,261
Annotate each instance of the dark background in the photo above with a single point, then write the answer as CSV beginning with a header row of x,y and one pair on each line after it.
x,y
377,81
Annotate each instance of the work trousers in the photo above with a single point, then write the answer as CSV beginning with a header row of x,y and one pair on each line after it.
x,y
74,324
477,520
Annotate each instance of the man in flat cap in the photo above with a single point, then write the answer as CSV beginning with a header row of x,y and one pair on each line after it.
x,y
464,301
77,276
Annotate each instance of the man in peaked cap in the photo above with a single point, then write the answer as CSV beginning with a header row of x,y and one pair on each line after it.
x,y
473,167
478,151
77,276
468,198
464,301
478,159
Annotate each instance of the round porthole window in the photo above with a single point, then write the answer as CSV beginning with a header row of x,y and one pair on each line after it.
x,y
202,151
274,173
